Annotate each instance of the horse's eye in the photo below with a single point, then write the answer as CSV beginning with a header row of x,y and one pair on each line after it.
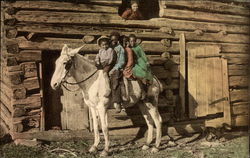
x,y
68,65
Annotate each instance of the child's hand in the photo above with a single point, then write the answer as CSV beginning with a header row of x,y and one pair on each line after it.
x,y
111,72
98,66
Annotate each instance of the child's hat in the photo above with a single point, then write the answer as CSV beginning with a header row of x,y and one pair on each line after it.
x,y
102,37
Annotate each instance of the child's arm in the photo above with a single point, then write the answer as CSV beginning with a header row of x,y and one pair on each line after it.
x,y
126,14
121,60
97,58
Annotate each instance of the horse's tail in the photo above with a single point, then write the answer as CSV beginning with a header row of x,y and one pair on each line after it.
x,y
159,84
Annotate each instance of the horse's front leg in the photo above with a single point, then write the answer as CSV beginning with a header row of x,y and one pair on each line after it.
x,y
102,110
96,131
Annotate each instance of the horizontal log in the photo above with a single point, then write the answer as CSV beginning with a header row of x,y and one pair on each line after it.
x,y
31,102
14,78
148,46
238,67
238,81
14,92
204,16
240,108
57,135
105,2
29,69
130,121
62,6
115,20
63,30
31,83
162,73
13,68
209,6
238,61
29,55
26,119
239,95
225,47
238,72
11,32
240,120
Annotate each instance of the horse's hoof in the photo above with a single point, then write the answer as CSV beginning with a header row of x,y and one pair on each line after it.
x,y
145,147
154,150
104,153
93,149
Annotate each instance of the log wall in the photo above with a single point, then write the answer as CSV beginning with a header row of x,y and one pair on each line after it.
x,y
34,26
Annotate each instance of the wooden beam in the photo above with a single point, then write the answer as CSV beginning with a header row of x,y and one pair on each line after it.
x,y
29,55
182,90
239,95
238,81
63,6
14,92
148,46
30,69
106,19
209,6
57,135
205,16
240,120
226,83
141,33
240,108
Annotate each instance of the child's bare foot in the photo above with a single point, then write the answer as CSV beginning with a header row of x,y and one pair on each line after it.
x,y
117,107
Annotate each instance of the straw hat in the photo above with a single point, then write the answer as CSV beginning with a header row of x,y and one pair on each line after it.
x,y
102,37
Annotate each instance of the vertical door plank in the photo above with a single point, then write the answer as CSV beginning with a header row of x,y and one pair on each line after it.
x,y
192,82
182,72
227,107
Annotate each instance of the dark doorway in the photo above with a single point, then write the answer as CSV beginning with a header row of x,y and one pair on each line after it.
x,y
52,103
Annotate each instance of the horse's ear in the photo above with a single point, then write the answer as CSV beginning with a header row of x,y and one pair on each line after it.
x,y
74,51
65,49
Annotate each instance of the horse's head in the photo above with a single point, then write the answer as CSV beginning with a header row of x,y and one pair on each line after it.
x,y
63,65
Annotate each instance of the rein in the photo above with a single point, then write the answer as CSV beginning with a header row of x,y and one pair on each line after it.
x,y
75,83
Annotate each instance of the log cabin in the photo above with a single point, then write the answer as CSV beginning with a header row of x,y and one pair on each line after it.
x,y
198,49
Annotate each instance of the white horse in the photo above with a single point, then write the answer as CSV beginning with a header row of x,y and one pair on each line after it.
x,y
96,89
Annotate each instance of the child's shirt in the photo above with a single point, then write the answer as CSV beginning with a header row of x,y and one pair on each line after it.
x,y
120,57
105,57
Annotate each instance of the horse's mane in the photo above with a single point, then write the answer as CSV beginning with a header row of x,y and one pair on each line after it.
x,y
86,65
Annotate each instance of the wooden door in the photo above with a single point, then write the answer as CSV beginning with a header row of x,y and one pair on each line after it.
x,y
74,115
208,85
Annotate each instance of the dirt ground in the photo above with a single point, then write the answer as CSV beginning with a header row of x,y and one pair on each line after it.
x,y
231,145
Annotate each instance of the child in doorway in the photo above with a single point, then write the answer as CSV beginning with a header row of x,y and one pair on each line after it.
x,y
132,13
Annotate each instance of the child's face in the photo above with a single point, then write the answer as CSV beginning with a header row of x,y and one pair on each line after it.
x,y
132,41
134,7
114,40
104,45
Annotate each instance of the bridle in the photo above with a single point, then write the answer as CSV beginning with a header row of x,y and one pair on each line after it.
x,y
74,83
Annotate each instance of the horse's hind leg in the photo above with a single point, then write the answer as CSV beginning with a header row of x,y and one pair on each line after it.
x,y
158,124
150,125
96,131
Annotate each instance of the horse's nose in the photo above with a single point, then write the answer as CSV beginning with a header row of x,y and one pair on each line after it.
x,y
55,85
